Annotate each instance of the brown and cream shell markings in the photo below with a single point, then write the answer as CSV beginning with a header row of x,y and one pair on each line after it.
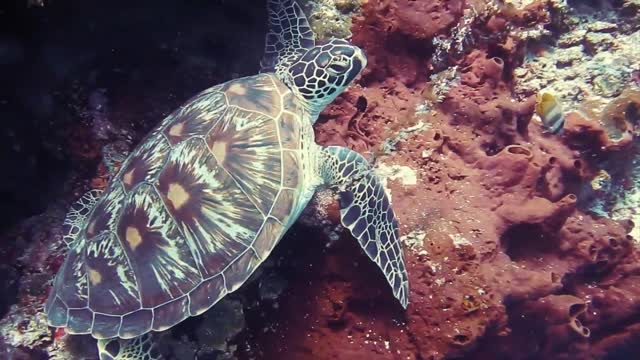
x,y
189,216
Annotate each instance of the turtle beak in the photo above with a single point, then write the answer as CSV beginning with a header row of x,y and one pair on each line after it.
x,y
359,62
360,55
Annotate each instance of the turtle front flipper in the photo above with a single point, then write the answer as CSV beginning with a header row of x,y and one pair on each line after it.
x,y
77,215
289,32
138,348
366,212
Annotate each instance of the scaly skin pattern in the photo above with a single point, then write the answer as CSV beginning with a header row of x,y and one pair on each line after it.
x,y
365,210
140,348
76,215
288,36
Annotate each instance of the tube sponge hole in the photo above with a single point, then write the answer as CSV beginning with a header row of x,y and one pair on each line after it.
x,y
575,310
494,67
522,241
632,113
577,326
519,150
461,339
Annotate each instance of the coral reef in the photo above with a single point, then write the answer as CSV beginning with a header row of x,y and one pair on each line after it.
x,y
520,244
493,226
330,18
592,60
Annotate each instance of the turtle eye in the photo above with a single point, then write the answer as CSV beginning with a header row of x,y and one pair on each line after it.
x,y
337,68
323,60
338,65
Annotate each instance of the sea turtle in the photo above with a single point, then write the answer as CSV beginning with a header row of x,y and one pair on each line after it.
x,y
205,197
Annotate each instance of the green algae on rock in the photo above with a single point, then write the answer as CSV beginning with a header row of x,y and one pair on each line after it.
x,y
331,18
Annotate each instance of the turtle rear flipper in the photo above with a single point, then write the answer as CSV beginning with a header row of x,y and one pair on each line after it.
x,y
77,215
366,212
138,348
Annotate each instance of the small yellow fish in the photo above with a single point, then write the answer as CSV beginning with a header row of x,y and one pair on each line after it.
x,y
601,181
549,109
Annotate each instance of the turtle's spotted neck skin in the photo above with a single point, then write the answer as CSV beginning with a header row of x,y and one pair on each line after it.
x,y
315,73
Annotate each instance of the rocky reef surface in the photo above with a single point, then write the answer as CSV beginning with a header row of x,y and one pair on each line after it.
x,y
520,243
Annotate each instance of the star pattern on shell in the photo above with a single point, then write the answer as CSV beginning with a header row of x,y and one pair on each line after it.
x,y
192,212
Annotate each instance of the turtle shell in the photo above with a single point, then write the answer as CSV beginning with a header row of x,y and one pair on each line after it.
x,y
193,211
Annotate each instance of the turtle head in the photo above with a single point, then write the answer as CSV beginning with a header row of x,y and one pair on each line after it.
x,y
322,72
